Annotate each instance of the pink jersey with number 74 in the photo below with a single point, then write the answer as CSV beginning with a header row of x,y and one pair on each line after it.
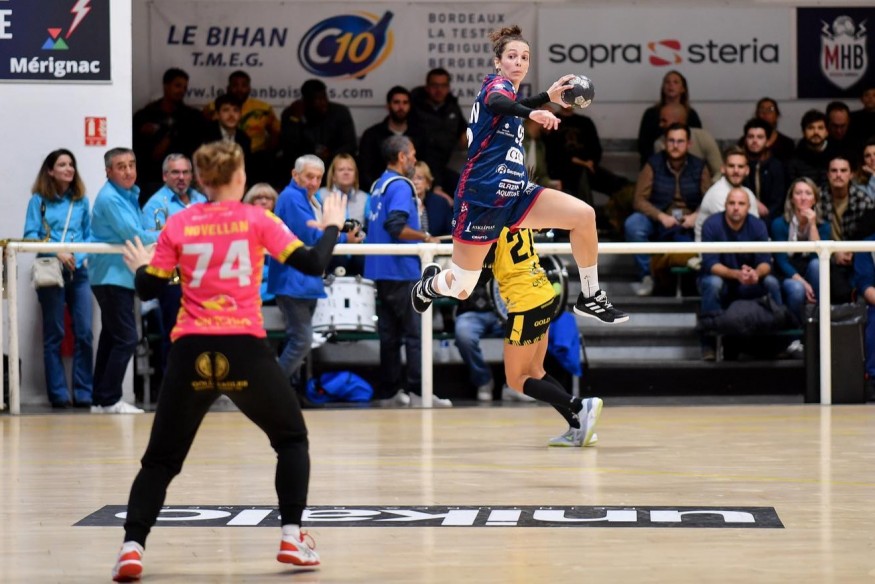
x,y
219,248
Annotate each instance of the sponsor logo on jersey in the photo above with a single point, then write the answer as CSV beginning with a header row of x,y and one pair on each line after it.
x,y
515,155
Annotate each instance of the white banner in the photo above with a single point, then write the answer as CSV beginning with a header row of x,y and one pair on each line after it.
x,y
358,50
726,54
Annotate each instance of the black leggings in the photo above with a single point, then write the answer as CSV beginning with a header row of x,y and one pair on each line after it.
x,y
200,369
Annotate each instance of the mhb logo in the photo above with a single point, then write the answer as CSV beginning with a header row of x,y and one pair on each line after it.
x,y
349,45
833,52
843,58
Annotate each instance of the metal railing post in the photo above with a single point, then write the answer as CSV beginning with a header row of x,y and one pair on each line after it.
x,y
825,329
14,372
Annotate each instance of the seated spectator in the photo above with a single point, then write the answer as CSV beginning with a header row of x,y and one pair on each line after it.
x,y
734,171
730,276
702,143
813,153
668,194
435,112
397,123
226,126
802,221
58,212
343,177
260,124
864,282
571,153
841,135
315,125
865,178
845,206
477,319
263,195
674,90
766,177
164,126
436,209
779,145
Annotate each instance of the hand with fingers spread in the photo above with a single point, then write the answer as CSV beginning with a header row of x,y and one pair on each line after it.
x,y
546,119
555,90
333,212
137,255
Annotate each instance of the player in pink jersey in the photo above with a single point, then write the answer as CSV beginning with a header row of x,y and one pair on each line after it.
x,y
219,346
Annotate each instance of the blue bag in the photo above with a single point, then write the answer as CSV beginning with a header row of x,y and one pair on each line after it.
x,y
339,386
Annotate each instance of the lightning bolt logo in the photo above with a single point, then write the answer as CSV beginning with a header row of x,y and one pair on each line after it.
x,y
79,11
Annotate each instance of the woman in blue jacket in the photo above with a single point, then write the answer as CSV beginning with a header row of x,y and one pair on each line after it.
x,y
58,211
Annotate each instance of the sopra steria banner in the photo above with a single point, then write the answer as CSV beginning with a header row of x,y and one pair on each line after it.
x,y
54,40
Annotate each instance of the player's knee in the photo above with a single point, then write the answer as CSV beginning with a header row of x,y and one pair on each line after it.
x,y
464,281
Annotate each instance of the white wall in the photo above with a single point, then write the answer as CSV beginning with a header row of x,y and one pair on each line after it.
x,y
40,117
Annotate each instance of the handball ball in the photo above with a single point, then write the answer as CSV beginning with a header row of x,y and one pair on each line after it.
x,y
581,94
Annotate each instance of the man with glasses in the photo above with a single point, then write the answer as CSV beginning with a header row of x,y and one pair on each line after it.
x,y
667,197
176,194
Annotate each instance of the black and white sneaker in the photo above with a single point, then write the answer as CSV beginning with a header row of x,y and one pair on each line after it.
x,y
421,295
600,308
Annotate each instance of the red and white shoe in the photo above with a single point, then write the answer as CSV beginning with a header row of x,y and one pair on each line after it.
x,y
300,552
129,566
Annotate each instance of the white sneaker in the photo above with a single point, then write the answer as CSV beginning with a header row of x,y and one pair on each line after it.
x,y
437,402
589,417
96,409
644,287
120,407
399,400
484,392
510,394
593,440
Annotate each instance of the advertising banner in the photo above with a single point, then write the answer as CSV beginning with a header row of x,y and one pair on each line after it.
x,y
726,54
359,50
54,40
834,52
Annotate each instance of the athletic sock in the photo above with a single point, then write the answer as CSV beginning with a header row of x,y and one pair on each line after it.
x,y
548,392
564,411
292,530
589,280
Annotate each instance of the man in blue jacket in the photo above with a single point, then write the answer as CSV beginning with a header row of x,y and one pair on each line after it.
x,y
297,293
115,219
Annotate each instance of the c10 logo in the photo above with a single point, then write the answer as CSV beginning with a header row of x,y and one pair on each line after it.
x,y
350,45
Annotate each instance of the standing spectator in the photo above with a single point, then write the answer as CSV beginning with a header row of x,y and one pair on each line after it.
x,y
766,177
729,276
397,123
176,195
802,221
734,171
343,177
863,120
215,355
58,212
780,146
263,195
668,193
296,291
813,153
315,125
394,218
164,126
226,126
116,218
436,114
866,174
844,206
674,90
258,121
702,143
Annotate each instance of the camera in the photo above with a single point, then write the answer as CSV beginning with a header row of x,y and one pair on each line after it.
x,y
351,225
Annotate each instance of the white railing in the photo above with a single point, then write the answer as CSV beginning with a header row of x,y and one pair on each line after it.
x,y
427,252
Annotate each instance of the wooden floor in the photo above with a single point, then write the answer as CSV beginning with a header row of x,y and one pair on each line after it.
x,y
814,465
